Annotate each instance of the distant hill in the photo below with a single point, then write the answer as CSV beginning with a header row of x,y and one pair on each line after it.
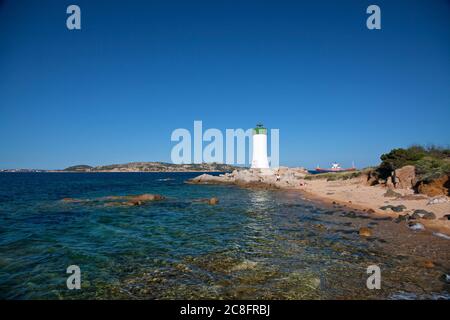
x,y
81,168
154,167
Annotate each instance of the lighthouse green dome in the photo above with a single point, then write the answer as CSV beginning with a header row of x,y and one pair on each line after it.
x,y
259,129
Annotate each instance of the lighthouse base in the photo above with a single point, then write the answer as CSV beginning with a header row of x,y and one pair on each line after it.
x,y
260,164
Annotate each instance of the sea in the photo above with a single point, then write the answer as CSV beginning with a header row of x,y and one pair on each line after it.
x,y
253,244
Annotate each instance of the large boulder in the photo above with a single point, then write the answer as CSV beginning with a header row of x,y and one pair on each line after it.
x,y
405,177
436,187
207,178
389,183
244,177
370,178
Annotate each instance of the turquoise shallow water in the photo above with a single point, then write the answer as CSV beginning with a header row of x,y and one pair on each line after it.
x,y
253,244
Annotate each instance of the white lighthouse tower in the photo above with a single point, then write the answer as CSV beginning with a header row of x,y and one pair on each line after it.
x,y
259,158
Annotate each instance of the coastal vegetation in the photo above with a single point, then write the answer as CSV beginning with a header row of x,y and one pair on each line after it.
x,y
79,168
333,176
430,162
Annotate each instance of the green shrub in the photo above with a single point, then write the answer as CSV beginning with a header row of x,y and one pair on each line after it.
x,y
333,176
430,162
428,168
398,158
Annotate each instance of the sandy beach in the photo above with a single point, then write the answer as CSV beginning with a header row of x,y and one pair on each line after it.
x,y
353,193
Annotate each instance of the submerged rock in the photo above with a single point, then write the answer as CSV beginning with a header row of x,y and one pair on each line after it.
x,y
137,200
428,264
211,201
244,265
72,200
111,201
365,232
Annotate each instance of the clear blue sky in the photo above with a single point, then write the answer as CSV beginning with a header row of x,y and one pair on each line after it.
x,y
114,91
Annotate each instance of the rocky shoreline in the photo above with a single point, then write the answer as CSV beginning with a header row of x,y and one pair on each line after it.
x,y
281,178
417,211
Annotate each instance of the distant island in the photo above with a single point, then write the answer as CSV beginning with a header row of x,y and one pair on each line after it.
x,y
141,167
